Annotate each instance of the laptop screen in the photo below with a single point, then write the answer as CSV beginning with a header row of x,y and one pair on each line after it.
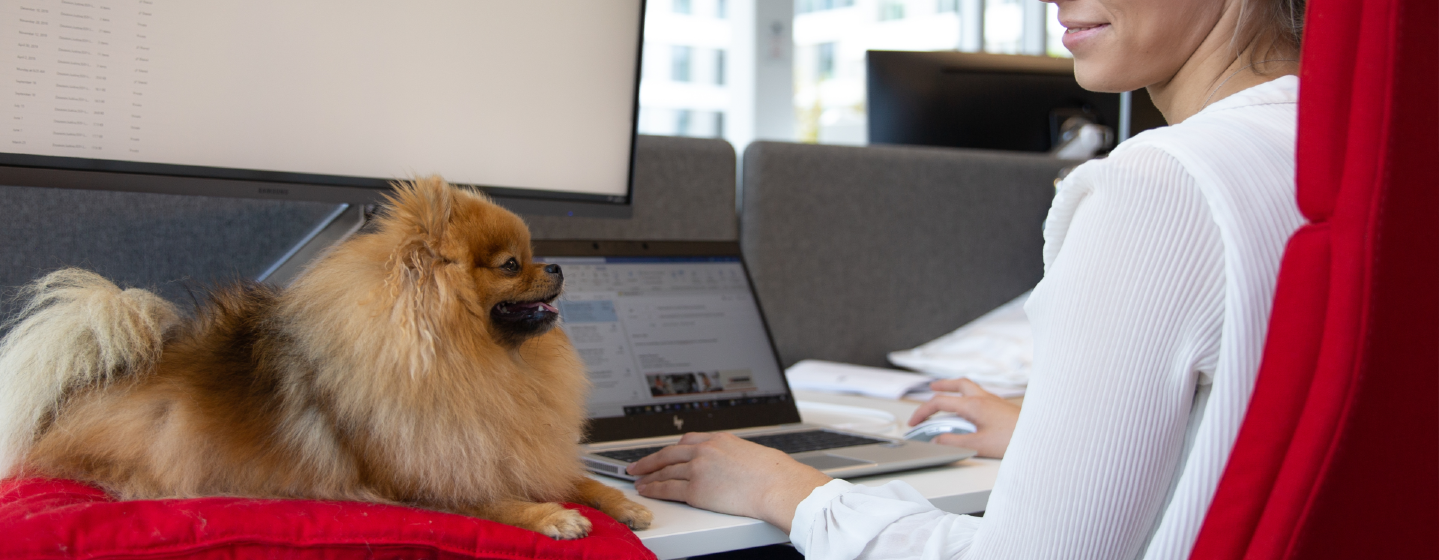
x,y
669,339
662,334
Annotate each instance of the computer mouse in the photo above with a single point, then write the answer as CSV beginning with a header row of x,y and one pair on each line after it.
x,y
929,429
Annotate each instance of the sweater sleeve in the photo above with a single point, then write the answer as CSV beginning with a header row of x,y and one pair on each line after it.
x,y
1126,325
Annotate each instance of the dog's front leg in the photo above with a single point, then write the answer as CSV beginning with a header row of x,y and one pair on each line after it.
x,y
548,518
612,502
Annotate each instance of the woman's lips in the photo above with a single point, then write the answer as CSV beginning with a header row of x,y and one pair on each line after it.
x,y
1076,34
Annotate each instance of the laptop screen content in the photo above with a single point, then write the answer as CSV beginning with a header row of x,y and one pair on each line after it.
x,y
661,335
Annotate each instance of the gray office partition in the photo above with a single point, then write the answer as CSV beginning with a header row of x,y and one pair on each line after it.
x,y
179,245
857,252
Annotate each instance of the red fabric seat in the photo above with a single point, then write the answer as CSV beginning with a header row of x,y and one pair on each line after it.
x,y
1338,456
42,518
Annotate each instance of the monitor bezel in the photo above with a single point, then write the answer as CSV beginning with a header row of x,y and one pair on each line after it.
x,y
600,430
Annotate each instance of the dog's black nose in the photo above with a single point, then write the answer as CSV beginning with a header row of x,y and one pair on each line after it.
x,y
554,269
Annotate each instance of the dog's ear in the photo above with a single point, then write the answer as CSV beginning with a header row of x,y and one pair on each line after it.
x,y
420,211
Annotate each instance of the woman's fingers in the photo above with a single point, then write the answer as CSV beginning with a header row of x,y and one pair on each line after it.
x,y
961,385
958,405
676,471
678,453
672,490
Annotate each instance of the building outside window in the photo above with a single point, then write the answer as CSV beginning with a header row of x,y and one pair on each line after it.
x,y
807,6
829,94
826,61
719,67
691,59
890,10
685,68
680,63
683,117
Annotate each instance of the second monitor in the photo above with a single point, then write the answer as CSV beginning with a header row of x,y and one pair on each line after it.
x,y
987,101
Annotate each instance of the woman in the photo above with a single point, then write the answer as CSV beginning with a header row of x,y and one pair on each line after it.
x,y
1160,264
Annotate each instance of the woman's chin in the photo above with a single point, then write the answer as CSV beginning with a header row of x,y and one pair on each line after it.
x,y
1104,76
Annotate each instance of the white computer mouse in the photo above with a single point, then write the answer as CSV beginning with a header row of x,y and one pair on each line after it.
x,y
936,425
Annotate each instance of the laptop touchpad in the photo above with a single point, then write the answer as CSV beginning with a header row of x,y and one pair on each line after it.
x,y
823,462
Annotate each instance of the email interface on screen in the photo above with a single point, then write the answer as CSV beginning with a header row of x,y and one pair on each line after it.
x,y
660,335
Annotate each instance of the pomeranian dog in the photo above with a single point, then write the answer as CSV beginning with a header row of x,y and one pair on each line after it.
x,y
416,363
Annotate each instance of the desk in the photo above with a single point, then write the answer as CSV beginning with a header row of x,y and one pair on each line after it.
x,y
680,531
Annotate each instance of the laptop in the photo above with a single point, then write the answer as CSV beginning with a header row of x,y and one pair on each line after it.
x,y
674,341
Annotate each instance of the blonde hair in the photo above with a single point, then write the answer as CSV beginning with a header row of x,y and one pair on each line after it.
x,y
1274,27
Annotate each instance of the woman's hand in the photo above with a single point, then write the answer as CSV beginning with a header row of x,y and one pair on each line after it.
x,y
721,472
993,417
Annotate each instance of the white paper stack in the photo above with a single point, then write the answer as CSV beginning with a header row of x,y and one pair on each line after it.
x,y
995,350
834,377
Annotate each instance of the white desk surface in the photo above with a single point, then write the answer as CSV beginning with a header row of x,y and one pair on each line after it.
x,y
681,531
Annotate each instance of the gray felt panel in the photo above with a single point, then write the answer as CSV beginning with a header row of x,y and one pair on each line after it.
x,y
857,252
684,189
167,243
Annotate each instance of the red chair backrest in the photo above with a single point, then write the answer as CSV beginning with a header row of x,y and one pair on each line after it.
x,y
1338,456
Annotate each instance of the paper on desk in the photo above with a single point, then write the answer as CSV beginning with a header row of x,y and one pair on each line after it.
x,y
995,350
833,377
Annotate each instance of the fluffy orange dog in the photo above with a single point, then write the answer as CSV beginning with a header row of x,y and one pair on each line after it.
x,y
415,364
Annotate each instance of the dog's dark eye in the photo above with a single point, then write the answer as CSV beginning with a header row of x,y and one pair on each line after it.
x,y
511,265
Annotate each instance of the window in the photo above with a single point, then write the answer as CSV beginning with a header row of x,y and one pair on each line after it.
x,y
890,10
719,67
681,6
719,124
722,9
825,68
682,122
807,6
680,63
946,6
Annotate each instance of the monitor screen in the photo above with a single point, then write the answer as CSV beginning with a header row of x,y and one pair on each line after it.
x,y
532,99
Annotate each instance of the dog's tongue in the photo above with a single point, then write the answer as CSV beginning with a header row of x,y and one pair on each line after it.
x,y
532,305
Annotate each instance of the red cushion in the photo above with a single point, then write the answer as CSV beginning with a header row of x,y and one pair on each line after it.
x,y
41,518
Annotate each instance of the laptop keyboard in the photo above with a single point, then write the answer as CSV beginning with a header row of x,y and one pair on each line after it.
x,y
790,442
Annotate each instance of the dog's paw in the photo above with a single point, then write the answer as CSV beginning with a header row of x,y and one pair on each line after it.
x,y
636,516
563,524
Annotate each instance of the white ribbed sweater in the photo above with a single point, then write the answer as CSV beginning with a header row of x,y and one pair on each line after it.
x,y
1160,264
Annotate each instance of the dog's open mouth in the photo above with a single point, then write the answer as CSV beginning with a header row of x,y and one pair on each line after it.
x,y
532,312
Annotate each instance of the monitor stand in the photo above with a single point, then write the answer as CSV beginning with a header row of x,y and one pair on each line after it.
x,y
334,228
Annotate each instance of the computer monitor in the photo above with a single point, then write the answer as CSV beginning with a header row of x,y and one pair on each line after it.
x,y
534,102
986,101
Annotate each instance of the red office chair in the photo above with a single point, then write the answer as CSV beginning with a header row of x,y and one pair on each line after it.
x,y
1338,456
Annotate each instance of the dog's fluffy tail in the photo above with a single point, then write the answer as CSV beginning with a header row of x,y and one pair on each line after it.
x,y
76,329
